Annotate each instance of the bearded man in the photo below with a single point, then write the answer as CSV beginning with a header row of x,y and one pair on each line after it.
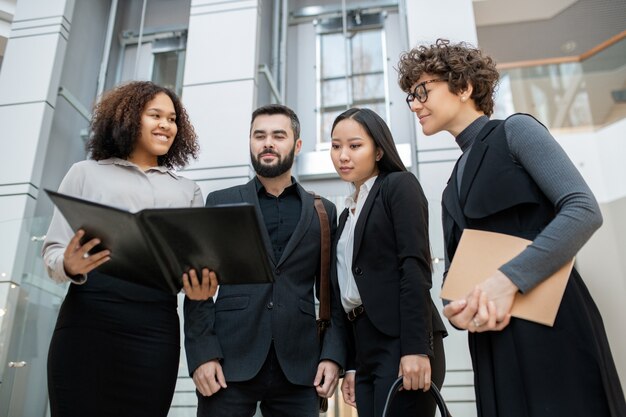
x,y
257,344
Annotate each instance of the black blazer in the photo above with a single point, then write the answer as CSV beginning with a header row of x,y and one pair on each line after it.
x,y
240,326
496,193
391,262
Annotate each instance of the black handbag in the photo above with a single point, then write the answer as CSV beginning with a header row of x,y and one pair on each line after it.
x,y
395,388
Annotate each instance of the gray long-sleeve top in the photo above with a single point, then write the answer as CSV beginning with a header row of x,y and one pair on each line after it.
x,y
117,183
577,212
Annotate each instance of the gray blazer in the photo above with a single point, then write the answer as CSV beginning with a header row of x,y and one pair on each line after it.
x,y
239,327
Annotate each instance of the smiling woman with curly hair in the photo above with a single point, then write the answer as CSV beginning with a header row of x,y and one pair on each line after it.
x,y
116,125
115,348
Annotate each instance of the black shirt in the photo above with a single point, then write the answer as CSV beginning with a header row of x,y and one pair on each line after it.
x,y
280,214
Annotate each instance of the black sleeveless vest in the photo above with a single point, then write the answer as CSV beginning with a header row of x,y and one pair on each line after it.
x,y
497,194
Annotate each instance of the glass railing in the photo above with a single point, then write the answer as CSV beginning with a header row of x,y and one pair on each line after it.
x,y
30,302
584,91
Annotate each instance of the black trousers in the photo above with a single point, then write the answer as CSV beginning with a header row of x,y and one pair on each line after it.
x,y
270,387
378,360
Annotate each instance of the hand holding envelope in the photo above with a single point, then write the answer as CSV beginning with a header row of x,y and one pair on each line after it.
x,y
478,257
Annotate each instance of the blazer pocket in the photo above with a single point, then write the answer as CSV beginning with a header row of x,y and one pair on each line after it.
x,y
232,303
307,307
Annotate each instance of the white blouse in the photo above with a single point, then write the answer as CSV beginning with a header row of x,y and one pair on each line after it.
x,y
350,297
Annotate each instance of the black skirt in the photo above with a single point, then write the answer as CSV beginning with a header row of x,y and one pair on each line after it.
x,y
531,370
114,352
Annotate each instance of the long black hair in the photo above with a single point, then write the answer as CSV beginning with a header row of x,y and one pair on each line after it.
x,y
378,130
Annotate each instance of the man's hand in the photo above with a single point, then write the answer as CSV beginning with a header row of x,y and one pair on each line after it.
x,y
209,378
197,291
347,389
415,372
326,378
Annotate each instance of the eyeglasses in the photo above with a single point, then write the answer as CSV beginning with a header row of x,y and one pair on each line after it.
x,y
420,93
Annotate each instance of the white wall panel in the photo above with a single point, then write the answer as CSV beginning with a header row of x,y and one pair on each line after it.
x,y
41,67
221,46
35,9
25,127
612,152
449,19
220,114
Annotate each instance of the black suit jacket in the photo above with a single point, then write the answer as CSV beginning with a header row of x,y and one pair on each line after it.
x,y
239,327
391,262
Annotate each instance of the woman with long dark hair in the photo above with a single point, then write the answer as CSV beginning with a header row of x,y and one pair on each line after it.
x,y
382,271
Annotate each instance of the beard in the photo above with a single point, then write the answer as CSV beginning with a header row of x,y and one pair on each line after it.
x,y
274,170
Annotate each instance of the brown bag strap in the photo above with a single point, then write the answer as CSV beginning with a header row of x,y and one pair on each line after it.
x,y
324,259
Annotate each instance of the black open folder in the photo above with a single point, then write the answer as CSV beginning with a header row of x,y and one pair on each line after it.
x,y
153,247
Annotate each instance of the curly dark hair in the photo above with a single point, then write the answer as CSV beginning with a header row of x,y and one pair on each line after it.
x,y
116,124
458,63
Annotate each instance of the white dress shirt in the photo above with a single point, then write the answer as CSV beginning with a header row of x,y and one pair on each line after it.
x,y
350,296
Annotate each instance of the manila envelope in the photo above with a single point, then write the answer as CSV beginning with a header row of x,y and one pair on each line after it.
x,y
481,253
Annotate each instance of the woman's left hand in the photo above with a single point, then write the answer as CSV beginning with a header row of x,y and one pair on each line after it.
x,y
197,291
415,370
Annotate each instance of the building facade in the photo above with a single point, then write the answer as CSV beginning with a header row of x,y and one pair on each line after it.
x,y
318,57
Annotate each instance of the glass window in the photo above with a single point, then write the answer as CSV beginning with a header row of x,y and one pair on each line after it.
x,y
333,56
351,74
161,60
167,69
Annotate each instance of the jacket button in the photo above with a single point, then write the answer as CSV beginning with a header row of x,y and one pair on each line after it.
x,y
358,271
270,305
277,271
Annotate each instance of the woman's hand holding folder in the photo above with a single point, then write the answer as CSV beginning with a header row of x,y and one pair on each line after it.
x,y
78,261
475,313
199,291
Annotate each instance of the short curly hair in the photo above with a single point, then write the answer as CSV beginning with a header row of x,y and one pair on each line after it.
x,y
458,63
116,125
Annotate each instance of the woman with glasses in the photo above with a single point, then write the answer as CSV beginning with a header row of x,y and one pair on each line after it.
x,y
116,345
514,178
382,272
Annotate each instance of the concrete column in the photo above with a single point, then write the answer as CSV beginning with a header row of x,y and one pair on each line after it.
x,y
29,80
219,88
426,22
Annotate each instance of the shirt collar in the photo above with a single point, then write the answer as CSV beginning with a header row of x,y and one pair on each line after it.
x,y
124,162
365,189
261,188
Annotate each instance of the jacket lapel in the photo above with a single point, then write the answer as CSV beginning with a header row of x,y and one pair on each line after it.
x,y
365,211
302,227
342,223
451,204
474,159
249,195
